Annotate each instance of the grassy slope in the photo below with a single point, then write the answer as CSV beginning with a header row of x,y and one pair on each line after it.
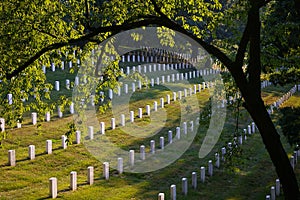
x,y
249,178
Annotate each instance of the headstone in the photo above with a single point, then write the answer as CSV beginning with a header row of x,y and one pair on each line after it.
x,y
194,180
76,81
34,118
44,69
102,128
53,67
53,187
161,196
268,197
49,146
155,105
292,161
73,180
11,157
63,141
31,152
78,136
192,126
148,110
223,150
157,81
110,94
120,165
162,142
168,99
178,133
113,123
184,186
57,85
202,174
170,137
90,175
2,124
179,95
184,128
162,101
67,84
122,120
72,108
131,116
126,88
91,132
249,129
131,158
142,152
10,99
59,112
106,170
277,187
133,87
152,146
140,113
185,92
210,168
253,127
217,157
273,194
173,192
47,116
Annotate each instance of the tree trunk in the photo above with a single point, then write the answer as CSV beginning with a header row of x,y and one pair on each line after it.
x,y
271,139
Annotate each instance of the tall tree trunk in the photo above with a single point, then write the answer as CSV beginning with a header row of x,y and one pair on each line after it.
x,y
251,92
271,139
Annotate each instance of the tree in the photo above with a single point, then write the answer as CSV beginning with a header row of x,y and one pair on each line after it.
x,y
41,29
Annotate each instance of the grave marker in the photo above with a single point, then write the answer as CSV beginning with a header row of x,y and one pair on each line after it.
x,y
73,180
90,175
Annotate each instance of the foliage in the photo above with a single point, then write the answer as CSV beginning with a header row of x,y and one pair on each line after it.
x,y
290,124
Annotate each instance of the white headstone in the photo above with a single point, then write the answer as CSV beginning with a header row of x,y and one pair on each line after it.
x,y
73,180
131,158
162,142
210,168
10,99
120,165
142,152
63,141
53,187
170,137
162,101
57,85
90,175
31,152
113,123
11,157
131,116
194,180
140,113
106,170
2,124
273,193
122,120
184,186
161,196
152,146
91,132
155,106
102,128
202,174
173,192
148,110
277,187
34,118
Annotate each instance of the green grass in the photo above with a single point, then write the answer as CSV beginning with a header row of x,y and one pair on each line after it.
x,y
248,177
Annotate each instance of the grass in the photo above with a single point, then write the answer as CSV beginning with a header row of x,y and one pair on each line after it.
x,y
248,177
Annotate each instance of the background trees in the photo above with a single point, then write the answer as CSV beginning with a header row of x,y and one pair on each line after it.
x,y
35,33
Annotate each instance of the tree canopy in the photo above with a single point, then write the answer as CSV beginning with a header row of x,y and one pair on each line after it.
x,y
247,37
